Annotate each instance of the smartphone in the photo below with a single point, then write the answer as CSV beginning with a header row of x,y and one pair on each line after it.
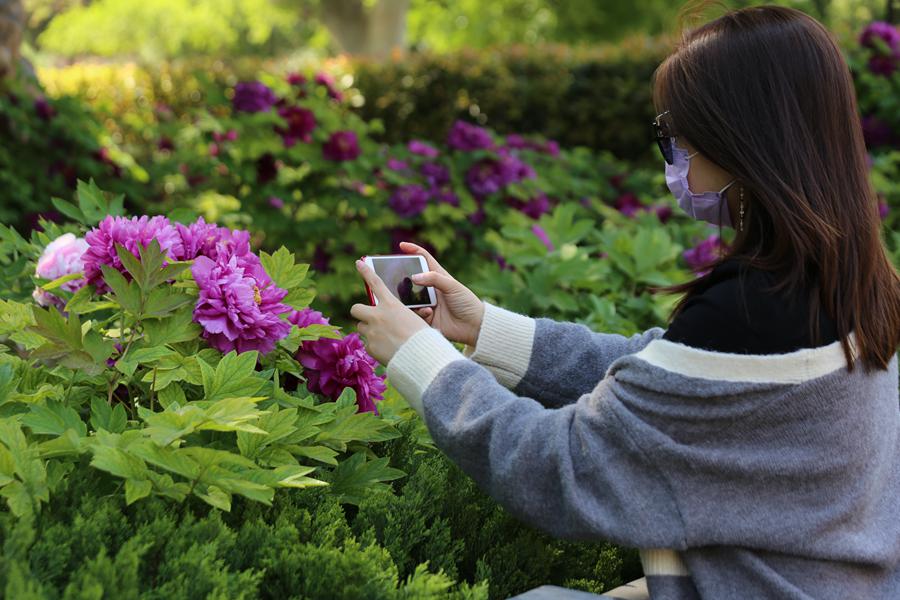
x,y
395,271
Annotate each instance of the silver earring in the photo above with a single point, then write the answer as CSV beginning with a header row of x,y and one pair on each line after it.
x,y
742,208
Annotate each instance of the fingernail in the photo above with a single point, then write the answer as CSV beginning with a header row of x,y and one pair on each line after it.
x,y
417,277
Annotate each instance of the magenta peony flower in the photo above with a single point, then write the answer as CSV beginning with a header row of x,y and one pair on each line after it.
x,y
327,80
276,202
436,175
62,256
332,365
396,165
239,305
881,62
306,317
539,232
534,207
300,124
409,200
704,253
628,204
663,213
341,146
422,149
252,97
467,137
883,209
208,239
130,233
295,79
445,195
488,176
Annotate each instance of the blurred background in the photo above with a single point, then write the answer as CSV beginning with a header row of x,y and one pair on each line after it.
x,y
340,127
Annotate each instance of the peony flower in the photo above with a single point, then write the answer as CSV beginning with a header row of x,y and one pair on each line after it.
x,y
208,239
62,256
332,365
409,200
43,109
882,63
883,209
252,97
306,317
295,79
131,233
444,195
435,174
663,213
539,232
341,146
301,123
276,202
534,207
321,260
467,137
266,168
876,132
395,164
238,304
488,176
422,149
327,80
628,204
704,253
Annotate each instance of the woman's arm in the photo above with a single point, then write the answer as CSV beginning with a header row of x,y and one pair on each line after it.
x,y
574,472
553,362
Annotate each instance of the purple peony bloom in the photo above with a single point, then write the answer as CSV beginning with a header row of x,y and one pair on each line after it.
x,y
321,260
295,79
306,317
663,213
332,365
132,234
43,108
436,175
341,146
534,207
422,149
62,256
300,124
409,200
704,253
628,204
538,231
876,132
266,168
445,195
238,305
882,63
489,176
253,96
467,137
395,164
327,80
276,202
883,209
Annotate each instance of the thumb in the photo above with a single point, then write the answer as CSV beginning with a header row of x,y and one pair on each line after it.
x,y
441,281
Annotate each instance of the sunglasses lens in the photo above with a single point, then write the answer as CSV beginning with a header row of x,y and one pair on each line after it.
x,y
665,147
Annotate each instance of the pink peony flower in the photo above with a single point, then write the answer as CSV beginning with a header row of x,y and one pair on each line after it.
x,y
239,305
208,239
422,149
276,202
300,124
466,137
341,146
332,365
132,234
62,256
327,80
395,164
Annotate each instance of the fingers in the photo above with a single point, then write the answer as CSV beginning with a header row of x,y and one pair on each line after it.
x,y
441,281
362,312
433,264
378,287
425,313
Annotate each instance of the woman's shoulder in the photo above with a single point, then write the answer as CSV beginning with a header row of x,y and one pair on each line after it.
x,y
739,311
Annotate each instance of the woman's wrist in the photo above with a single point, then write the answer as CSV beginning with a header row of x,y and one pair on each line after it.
x,y
476,326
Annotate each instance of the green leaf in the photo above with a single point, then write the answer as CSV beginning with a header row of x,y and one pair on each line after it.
x,y
281,268
126,293
179,327
233,377
132,264
53,418
300,298
354,476
172,394
135,489
94,205
70,210
112,419
52,285
162,301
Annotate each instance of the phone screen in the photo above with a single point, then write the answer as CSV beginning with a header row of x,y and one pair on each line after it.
x,y
396,272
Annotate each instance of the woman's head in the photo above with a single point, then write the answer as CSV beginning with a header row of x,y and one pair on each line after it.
x,y
765,97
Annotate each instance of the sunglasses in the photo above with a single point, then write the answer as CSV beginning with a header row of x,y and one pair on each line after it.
x,y
663,138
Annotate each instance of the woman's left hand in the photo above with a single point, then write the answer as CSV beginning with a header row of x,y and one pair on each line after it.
x,y
386,326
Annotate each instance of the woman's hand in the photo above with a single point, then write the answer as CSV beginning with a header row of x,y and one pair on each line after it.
x,y
459,312
386,326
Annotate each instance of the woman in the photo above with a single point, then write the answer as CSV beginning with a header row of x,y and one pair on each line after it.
x,y
752,449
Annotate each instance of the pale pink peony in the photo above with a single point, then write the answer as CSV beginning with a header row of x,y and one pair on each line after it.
x,y
62,256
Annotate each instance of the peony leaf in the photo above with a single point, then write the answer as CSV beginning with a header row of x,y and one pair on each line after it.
x,y
233,377
351,478
54,419
281,268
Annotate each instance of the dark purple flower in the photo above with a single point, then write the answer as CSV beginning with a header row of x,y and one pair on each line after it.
x,y
445,195
883,31
704,253
43,109
484,178
409,200
396,165
883,209
876,131
165,143
301,123
628,204
539,232
131,233
266,168
516,141
551,148
422,149
253,96
534,207
466,137
327,80
477,217
276,202
341,146
436,175
663,213
238,304
295,79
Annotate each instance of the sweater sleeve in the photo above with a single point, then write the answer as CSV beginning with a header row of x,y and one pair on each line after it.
x,y
575,472
551,361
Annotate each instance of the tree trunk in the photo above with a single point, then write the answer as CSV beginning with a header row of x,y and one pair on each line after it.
x,y
12,22
368,31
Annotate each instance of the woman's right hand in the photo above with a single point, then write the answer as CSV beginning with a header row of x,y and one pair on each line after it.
x,y
459,312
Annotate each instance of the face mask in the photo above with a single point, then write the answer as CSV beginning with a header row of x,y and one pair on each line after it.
x,y
707,206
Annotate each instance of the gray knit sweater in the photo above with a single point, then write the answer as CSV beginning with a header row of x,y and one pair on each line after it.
x,y
737,476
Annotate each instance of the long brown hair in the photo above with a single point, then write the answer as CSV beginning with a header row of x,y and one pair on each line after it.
x,y
765,93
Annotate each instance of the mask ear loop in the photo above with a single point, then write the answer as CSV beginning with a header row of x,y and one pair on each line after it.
x,y
731,183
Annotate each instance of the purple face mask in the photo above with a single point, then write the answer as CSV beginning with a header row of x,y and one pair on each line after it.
x,y
708,206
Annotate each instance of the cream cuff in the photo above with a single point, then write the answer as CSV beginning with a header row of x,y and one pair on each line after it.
x,y
504,344
418,361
